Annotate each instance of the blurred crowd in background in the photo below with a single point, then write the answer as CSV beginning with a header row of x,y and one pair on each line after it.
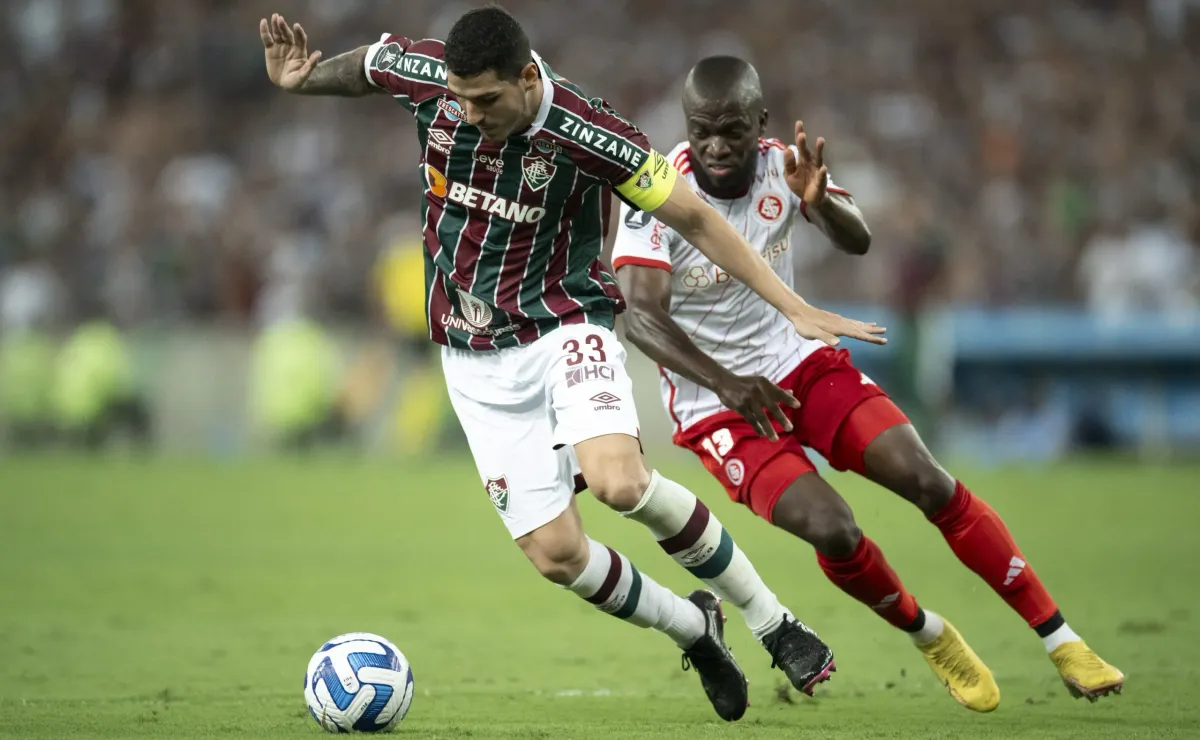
x,y
1005,152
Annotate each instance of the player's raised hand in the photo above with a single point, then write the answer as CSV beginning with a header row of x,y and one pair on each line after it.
x,y
826,327
806,174
758,400
286,47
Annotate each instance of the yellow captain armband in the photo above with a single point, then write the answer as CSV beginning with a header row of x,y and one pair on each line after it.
x,y
651,184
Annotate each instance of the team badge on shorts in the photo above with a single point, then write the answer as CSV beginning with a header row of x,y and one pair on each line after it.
x,y
497,491
735,471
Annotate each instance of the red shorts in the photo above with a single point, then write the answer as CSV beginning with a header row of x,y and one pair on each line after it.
x,y
841,412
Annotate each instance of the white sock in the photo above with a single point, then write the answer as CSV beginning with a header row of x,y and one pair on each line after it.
x,y
1059,636
689,533
611,584
930,632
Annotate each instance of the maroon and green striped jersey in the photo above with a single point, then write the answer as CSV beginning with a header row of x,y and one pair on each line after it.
x,y
513,229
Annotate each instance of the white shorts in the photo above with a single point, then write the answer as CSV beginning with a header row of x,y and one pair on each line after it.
x,y
524,408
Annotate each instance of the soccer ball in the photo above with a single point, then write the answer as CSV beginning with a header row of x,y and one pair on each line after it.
x,y
358,681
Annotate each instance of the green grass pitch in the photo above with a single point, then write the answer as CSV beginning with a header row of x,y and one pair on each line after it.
x,y
183,599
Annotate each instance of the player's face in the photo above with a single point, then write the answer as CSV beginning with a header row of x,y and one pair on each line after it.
x,y
724,141
494,105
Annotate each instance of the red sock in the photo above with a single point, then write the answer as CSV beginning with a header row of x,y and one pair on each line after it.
x,y
866,576
977,535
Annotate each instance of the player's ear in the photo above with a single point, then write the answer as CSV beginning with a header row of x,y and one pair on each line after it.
x,y
763,117
529,75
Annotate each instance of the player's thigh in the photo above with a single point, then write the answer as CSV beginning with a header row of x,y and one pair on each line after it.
x,y
527,480
831,393
591,396
754,471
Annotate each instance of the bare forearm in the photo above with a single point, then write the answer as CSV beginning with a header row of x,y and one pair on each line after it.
x,y
343,75
652,330
844,224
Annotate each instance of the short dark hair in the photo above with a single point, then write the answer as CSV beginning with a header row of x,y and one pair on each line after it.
x,y
487,39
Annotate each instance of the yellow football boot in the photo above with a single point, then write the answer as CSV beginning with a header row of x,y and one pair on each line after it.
x,y
1084,672
961,671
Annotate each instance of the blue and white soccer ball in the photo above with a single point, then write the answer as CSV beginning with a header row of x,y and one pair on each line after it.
x,y
358,682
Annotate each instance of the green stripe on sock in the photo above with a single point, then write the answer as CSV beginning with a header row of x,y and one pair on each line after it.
x,y
635,592
719,561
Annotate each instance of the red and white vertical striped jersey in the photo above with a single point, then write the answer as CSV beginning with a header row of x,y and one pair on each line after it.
x,y
723,317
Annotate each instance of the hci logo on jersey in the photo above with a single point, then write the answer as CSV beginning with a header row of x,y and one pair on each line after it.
x,y
537,172
477,313
497,491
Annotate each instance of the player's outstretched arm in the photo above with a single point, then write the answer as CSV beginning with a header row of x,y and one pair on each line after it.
x,y
649,326
292,68
703,228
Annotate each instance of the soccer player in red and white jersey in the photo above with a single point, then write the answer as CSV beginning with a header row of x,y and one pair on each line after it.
x,y
519,167
747,394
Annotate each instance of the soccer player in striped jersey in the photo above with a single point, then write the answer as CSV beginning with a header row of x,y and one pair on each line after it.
x,y
518,166
747,394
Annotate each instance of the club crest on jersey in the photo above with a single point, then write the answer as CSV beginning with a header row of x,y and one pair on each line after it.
x,y
477,313
497,491
537,172
451,108
769,208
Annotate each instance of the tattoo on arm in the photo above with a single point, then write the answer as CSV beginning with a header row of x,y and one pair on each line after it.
x,y
344,75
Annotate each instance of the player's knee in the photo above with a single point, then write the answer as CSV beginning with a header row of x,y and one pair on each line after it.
x,y
620,484
824,521
927,485
834,532
559,559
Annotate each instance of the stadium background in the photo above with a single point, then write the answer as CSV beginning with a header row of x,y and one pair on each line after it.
x,y
226,270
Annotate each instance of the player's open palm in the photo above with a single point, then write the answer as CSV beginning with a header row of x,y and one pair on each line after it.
x,y
286,47
826,327
806,174
758,400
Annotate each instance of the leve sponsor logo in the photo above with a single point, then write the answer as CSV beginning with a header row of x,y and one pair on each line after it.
x,y
490,162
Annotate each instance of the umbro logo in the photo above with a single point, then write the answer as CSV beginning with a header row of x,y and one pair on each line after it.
x,y
440,140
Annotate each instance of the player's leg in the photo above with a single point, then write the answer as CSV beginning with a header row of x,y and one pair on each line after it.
x,y
898,459
593,403
531,486
778,482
